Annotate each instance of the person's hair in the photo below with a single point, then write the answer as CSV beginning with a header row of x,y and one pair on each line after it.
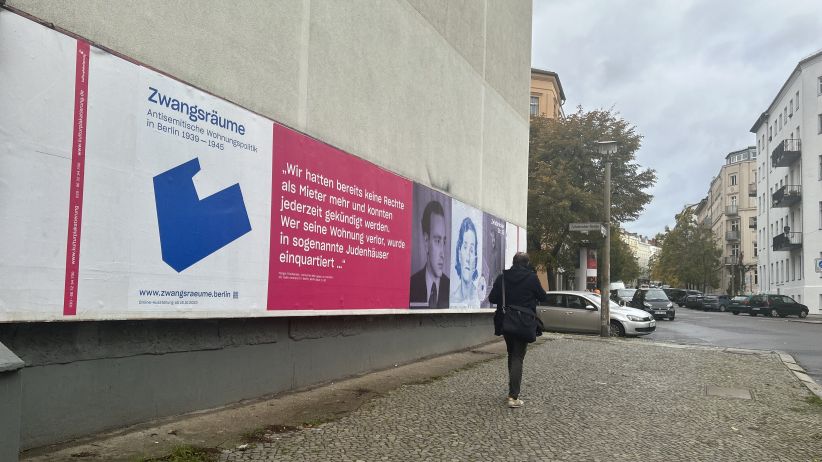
x,y
521,258
432,207
467,225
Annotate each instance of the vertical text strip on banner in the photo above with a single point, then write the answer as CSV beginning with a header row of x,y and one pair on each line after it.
x,y
78,154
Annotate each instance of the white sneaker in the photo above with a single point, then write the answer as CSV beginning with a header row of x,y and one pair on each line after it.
x,y
513,403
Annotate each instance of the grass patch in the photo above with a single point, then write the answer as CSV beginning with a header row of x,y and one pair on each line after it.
x,y
317,422
814,401
187,454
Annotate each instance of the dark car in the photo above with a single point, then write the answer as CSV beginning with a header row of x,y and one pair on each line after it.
x,y
675,294
776,305
740,304
654,301
693,300
679,296
622,296
715,302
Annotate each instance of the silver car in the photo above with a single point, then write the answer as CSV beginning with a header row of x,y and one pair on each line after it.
x,y
572,311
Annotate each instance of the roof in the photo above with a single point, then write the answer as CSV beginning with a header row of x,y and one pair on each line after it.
x,y
764,115
551,74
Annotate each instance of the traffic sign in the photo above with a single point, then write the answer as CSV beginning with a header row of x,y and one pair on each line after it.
x,y
817,263
587,227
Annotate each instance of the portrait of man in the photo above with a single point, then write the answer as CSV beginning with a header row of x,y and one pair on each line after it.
x,y
430,285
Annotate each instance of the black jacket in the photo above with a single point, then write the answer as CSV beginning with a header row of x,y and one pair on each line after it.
x,y
522,288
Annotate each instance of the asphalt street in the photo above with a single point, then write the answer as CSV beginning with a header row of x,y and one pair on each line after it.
x,y
800,338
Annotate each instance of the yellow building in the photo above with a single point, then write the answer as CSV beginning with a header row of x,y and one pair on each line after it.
x,y
547,96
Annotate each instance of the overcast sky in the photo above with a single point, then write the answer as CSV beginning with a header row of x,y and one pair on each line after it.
x,y
691,75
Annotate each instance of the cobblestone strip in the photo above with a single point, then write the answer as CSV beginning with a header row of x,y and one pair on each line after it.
x,y
586,399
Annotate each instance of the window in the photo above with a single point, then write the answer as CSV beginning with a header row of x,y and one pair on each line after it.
x,y
786,115
820,170
735,251
797,100
780,121
790,106
819,86
756,249
820,214
819,129
733,180
535,105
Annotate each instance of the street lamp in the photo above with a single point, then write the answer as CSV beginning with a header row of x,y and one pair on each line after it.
x,y
606,149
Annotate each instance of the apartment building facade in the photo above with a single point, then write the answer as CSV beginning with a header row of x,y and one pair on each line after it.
x,y
730,211
547,96
789,186
643,248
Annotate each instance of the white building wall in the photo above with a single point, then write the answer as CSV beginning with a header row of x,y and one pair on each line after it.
x,y
792,272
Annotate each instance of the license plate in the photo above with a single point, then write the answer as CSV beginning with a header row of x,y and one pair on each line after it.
x,y
659,312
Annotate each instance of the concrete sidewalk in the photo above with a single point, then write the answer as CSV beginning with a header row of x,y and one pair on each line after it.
x,y
586,398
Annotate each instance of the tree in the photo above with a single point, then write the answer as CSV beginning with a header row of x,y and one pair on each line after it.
x,y
689,256
566,181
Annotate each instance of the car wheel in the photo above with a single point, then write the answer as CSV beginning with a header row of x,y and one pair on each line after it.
x,y
722,308
751,313
774,313
671,317
616,329
735,312
803,314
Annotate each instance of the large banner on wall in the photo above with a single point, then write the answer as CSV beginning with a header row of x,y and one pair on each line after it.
x,y
127,194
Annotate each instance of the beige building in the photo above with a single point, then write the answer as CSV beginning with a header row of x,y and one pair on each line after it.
x,y
547,96
643,248
730,212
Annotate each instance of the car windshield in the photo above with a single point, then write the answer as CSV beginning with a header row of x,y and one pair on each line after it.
x,y
740,298
656,295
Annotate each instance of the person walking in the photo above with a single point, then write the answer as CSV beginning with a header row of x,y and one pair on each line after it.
x,y
522,288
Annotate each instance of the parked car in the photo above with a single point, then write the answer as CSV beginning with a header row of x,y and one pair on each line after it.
x,y
694,300
715,302
622,296
571,311
675,294
776,305
655,302
739,304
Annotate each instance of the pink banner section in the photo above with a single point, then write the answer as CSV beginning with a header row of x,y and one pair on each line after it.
x,y
78,159
340,229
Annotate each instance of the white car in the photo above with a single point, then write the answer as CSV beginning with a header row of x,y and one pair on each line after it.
x,y
573,311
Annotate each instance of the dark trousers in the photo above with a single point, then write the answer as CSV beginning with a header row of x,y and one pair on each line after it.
x,y
516,353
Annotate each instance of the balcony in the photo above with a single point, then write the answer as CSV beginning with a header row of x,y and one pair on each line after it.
x,y
731,210
786,153
787,241
787,196
732,235
731,260
752,222
706,222
752,190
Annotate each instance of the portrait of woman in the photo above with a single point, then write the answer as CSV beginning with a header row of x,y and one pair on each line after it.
x,y
465,291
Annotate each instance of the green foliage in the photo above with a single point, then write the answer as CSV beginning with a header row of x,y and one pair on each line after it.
x,y
566,181
624,265
689,256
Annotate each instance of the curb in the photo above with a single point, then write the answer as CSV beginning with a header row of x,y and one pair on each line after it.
x,y
787,360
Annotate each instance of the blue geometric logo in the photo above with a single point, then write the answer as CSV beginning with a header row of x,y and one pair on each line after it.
x,y
192,228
